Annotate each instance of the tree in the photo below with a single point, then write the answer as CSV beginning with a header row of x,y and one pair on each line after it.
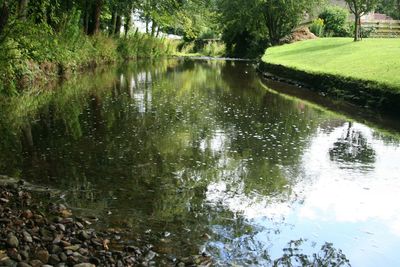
x,y
249,23
282,16
4,14
359,8
389,7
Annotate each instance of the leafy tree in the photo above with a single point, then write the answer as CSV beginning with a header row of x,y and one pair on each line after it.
x,y
389,7
282,16
335,21
360,8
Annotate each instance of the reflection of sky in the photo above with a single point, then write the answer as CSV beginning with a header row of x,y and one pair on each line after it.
x,y
355,208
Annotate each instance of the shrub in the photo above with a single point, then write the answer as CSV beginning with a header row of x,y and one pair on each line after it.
x,y
317,27
335,20
214,49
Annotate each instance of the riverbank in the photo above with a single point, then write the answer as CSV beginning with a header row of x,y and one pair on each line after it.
x,y
60,55
38,234
363,73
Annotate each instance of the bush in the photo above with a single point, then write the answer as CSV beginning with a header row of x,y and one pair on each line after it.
x,y
317,27
335,20
214,49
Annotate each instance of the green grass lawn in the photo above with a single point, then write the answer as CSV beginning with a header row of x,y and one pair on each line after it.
x,y
371,59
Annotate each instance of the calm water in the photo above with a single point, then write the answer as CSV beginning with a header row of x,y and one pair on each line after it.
x,y
197,156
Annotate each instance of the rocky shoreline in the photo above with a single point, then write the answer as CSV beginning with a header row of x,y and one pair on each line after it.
x,y
34,234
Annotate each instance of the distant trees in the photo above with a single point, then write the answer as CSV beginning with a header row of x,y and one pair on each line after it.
x,y
389,7
260,20
360,8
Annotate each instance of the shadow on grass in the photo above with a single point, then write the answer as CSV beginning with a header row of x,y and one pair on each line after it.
x,y
311,48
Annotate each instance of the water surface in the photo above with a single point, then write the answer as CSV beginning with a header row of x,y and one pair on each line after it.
x,y
198,156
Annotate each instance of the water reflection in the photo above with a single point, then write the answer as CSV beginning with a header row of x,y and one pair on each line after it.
x,y
198,150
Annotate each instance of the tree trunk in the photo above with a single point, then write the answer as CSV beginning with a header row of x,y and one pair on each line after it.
x,y
96,16
86,17
127,25
153,28
356,29
118,25
22,9
4,13
113,22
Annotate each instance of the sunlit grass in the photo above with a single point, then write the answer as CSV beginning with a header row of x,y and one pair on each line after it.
x,y
371,59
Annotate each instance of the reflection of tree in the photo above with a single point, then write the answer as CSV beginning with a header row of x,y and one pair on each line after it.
x,y
328,256
352,148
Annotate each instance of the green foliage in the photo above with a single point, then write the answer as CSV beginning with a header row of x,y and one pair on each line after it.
x,y
214,49
317,27
389,7
335,19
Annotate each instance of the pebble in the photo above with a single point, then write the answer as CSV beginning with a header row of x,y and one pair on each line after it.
x,y
12,241
32,240
43,255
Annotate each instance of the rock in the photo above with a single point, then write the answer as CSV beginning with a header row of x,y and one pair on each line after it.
x,y
61,227
43,255
73,248
8,262
24,254
23,264
36,263
83,235
4,200
27,237
54,259
14,255
12,241
27,214
95,261
54,249
63,256
150,255
84,265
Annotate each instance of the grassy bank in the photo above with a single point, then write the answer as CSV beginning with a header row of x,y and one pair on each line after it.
x,y
36,54
376,60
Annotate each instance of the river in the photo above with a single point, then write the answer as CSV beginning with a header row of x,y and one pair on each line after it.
x,y
197,156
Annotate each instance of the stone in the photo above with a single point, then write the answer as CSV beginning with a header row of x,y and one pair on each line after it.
x,y
54,259
73,248
27,237
12,241
36,263
63,256
27,214
8,262
84,265
54,249
43,255
14,255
